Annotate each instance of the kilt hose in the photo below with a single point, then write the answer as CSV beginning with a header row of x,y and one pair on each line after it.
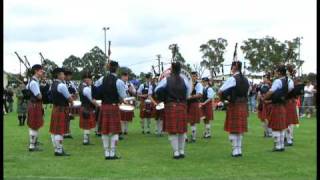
x,y
278,117
236,118
194,113
146,110
109,119
87,123
292,116
59,118
35,115
207,111
175,118
127,116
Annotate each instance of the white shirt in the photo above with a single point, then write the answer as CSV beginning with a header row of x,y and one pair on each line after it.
x,y
230,82
308,91
277,84
87,92
163,84
34,86
141,87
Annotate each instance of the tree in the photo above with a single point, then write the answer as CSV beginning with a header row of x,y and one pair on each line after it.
x,y
74,64
94,61
177,56
268,52
311,77
48,67
199,69
212,56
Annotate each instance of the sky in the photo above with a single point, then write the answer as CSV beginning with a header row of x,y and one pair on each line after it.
x,y
141,29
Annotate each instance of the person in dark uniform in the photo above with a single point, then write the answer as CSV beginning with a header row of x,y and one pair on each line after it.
x,y
22,103
60,111
237,110
206,106
87,110
194,110
73,91
278,117
177,90
35,109
146,106
113,92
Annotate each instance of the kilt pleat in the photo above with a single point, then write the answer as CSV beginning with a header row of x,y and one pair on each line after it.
x,y
292,116
175,118
75,110
236,118
59,118
110,119
35,115
263,114
126,116
87,123
278,117
194,113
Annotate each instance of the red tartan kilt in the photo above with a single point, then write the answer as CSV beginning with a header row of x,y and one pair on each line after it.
x,y
127,116
236,118
87,123
175,118
194,113
110,117
278,117
35,115
75,110
292,116
262,115
207,111
59,118
146,110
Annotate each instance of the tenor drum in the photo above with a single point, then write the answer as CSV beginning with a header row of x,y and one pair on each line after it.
x,y
126,108
76,103
160,106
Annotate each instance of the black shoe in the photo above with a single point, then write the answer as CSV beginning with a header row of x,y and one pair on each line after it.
x,y
125,133
236,155
86,143
115,157
182,156
61,154
68,137
107,157
98,134
120,137
176,157
148,132
277,150
142,132
288,144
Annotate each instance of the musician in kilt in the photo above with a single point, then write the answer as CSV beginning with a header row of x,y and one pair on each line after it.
x,y
278,114
60,111
35,109
176,90
237,108
206,106
113,93
194,110
292,115
146,106
22,103
126,116
95,94
87,110
157,114
74,93
264,108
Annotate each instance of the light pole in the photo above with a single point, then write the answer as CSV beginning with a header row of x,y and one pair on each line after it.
x,y
105,39
300,68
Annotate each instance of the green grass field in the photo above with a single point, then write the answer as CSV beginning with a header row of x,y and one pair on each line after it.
x,y
149,156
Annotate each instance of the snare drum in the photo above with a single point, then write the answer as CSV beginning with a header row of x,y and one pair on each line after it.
x,y
126,108
160,106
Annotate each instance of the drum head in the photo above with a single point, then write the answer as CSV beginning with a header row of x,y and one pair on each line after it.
x,y
124,107
129,99
99,102
148,101
160,106
76,103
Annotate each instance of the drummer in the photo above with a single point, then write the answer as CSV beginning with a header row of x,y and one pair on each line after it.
x,y
158,114
206,106
144,92
126,116
87,113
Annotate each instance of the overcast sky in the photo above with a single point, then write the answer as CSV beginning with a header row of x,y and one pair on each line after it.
x,y
141,29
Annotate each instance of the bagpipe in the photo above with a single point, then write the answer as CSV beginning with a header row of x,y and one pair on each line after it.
x,y
298,89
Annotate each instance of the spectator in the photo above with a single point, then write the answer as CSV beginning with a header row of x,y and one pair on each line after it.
x,y
5,105
10,99
252,97
308,100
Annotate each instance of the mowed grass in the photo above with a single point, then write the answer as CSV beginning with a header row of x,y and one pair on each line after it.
x,y
150,157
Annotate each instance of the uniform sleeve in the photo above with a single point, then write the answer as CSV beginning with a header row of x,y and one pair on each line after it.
x,y
140,89
161,84
230,82
150,90
186,82
276,85
199,88
210,93
290,85
99,82
34,88
121,88
87,92
133,89
62,88
74,87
